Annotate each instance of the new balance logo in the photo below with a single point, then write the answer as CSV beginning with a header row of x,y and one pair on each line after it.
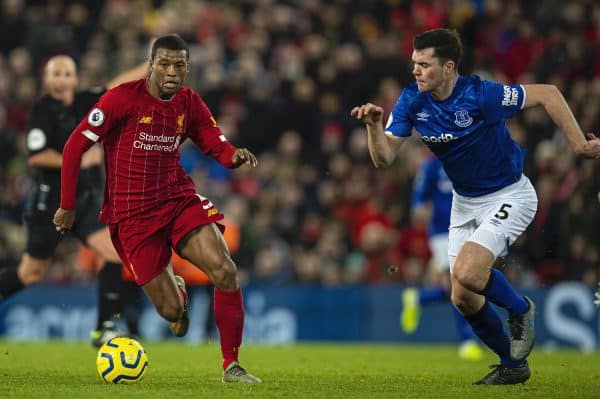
x,y
443,138
146,120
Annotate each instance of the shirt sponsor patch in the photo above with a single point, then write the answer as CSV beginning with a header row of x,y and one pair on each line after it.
x,y
36,139
443,138
96,117
510,98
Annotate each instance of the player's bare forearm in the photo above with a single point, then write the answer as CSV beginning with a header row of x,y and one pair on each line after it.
x,y
48,158
92,157
135,73
557,108
380,150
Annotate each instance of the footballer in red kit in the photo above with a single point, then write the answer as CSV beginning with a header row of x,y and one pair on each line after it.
x,y
150,203
141,136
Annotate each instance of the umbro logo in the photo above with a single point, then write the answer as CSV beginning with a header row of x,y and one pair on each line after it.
x,y
422,116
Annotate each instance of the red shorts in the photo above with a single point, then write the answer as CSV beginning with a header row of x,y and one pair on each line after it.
x,y
144,242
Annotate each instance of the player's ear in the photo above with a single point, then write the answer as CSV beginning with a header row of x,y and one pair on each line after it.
x,y
150,67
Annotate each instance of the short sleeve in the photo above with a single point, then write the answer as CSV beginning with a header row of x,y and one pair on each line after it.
x,y
399,123
500,101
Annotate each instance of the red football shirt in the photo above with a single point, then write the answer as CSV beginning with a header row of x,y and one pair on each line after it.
x,y
141,136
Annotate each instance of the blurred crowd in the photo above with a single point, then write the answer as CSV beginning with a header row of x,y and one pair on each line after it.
x,y
281,78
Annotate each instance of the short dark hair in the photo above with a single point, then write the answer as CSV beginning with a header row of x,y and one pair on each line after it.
x,y
170,42
445,42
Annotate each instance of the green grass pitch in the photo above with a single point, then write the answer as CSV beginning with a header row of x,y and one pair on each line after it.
x,y
178,370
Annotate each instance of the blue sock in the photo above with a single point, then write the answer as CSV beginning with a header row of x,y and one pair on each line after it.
x,y
499,291
465,333
435,294
489,328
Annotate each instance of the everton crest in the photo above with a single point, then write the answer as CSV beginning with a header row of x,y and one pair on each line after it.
x,y
462,118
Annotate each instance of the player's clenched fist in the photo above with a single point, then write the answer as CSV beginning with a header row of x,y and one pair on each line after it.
x,y
63,219
242,156
591,148
368,113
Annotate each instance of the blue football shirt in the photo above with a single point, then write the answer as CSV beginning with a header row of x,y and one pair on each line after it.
x,y
467,132
432,184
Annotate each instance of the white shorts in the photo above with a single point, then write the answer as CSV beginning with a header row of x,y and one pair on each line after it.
x,y
438,244
494,220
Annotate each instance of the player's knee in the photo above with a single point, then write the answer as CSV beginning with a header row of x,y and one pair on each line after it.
x,y
467,275
31,274
225,276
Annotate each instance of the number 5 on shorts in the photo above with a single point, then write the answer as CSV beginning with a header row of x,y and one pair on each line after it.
x,y
503,212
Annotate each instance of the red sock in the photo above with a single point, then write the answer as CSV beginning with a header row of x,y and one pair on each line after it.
x,y
229,316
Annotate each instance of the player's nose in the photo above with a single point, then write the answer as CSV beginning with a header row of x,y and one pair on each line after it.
x,y
171,71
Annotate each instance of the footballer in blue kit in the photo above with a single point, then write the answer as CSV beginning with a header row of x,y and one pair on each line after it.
x,y
462,121
432,199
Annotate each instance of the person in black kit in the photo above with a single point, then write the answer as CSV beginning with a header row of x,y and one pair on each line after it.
x,y
51,121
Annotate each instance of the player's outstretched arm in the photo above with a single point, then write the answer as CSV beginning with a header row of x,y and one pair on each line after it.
x,y
73,151
557,108
48,158
135,73
382,147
